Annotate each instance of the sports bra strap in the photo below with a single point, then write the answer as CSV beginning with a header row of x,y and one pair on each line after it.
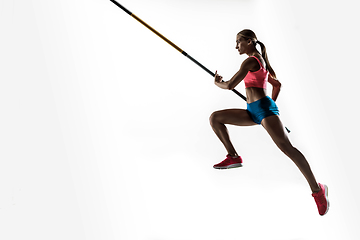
x,y
261,66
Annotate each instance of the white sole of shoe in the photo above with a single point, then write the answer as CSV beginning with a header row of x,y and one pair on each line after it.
x,y
235,165
327,199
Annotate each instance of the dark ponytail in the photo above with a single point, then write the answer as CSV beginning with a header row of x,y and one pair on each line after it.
x,y
264,55
248,34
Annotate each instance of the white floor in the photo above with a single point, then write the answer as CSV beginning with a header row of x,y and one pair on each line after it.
x,y
104,127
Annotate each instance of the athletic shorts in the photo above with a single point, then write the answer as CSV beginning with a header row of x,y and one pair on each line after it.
x,y
261,109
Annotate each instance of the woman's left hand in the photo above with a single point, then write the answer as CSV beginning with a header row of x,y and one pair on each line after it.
x,y
218,78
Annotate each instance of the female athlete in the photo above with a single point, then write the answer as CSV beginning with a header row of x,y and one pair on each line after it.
x,y
256,71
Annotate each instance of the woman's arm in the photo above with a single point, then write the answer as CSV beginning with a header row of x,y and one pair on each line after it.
x,y
246,66
276,87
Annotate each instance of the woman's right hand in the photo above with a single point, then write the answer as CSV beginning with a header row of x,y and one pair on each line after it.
x,y
218,78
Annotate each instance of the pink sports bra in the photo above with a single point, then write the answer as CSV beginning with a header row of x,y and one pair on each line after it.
x,y
256,79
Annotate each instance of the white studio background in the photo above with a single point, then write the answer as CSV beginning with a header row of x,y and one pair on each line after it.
x,y
105,133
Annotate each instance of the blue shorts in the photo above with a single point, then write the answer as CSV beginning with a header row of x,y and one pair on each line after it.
x,y
261,109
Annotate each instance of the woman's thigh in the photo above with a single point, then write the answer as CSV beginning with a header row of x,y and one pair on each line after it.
x,y
276,130
238,117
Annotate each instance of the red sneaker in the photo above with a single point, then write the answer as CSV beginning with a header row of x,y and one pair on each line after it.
x,y
229,162
321,199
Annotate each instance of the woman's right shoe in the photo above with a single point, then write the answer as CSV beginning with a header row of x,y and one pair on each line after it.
x,y
321,199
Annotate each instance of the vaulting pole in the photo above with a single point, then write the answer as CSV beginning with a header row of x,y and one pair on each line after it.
x,y
171,43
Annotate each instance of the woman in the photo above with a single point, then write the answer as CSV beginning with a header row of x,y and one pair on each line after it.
x,y
255,71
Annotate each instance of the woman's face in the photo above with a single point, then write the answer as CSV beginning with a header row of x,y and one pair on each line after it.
x,y
241,44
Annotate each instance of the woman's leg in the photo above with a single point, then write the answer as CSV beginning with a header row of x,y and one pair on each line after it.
x,y
277,132
238,117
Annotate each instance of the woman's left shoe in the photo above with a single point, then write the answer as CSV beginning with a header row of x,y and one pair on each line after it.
x,y
229,162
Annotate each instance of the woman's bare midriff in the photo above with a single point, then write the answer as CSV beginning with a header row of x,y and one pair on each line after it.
x,y
253,94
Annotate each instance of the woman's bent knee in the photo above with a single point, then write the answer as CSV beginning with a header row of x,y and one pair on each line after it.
x,y
214,117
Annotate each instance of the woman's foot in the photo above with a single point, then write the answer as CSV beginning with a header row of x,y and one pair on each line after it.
x,y
229,162
321,199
